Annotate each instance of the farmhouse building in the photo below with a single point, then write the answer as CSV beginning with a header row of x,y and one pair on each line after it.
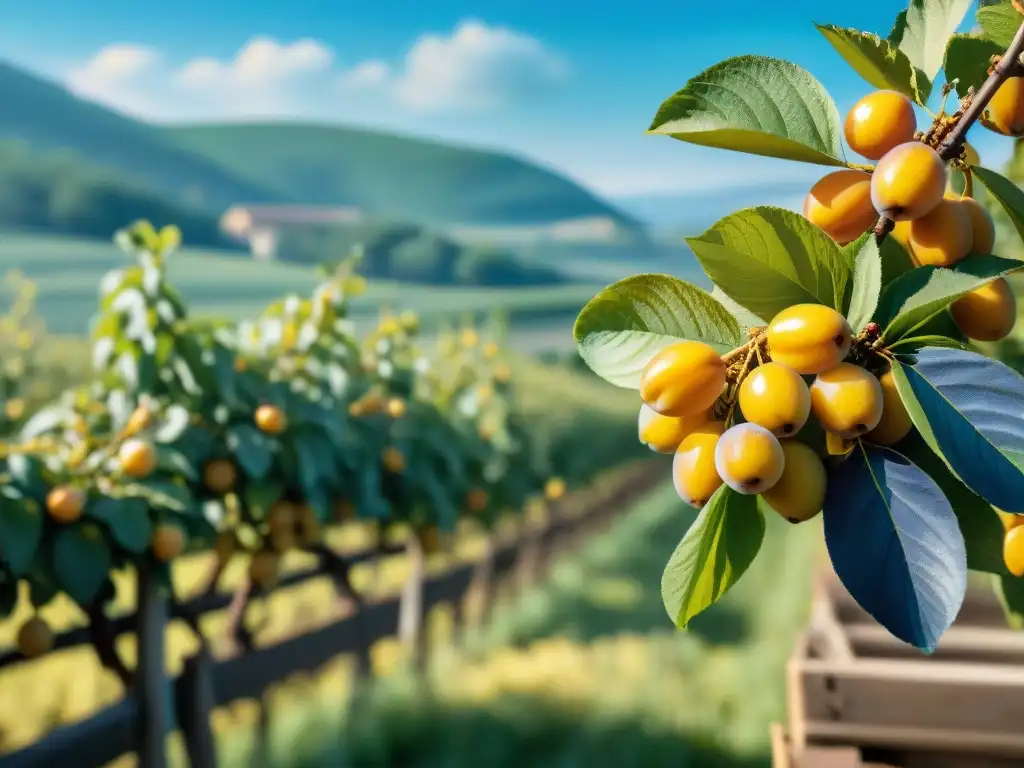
x,y
260,225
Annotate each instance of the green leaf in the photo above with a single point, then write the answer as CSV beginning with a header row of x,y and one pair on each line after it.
x,y
757,105
915,298
716,550
253,449
967,61
1009,195
8,595
261,494
629,322
21,529
923,30
745,318
1000,23
867,285
876,60
81,560
1010,591
160,493
175,462
768,258
979,523
126,518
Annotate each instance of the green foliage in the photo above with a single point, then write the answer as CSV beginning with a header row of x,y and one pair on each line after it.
x,y
904,522
630,321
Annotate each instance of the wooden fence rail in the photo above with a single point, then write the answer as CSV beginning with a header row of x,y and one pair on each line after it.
x,y
155,705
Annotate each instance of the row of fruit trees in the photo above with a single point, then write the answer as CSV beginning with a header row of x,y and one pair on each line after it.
x,y
249,439
832,367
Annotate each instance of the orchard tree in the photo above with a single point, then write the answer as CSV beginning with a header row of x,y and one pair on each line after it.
x,y
831,369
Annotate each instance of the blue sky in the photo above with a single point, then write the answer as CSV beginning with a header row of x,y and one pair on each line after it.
x,y
572,84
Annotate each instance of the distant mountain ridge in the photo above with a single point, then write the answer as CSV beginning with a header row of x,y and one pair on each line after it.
x,y
206,168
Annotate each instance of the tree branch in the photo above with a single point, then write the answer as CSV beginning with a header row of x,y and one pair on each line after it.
x,y
1008,65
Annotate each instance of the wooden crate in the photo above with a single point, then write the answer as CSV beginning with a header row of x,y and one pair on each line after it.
x,y
855,693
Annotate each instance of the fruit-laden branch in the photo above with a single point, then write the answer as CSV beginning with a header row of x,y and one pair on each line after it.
x,y
973,108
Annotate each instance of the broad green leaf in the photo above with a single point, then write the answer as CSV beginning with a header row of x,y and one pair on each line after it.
x,y
867,285
1010,591
630,321
8,595
768,258
967,61
160,493
21,528
127,520
261,494
917,297
979,523
999,22
1009,195
175,463
757,105
895,544
745,318
81,560
253,449
878,61
716,550
968,409
923,30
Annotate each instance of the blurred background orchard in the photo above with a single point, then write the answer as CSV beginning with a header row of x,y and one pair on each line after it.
x,y
484,155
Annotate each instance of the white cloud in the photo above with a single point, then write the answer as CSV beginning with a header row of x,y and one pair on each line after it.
x,y
475,67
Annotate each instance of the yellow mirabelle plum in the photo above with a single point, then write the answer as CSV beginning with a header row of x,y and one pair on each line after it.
x,y
775,397
901,234
1013,551
683,379
664,433
800,492
840,203
879,122
983,228
749,458
895,423
943,236
693,468
847,400
35,638
1008,519
987,313
908,182
1005,111
809,338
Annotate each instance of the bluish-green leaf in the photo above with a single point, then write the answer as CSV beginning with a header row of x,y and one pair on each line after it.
x,y
878,61
895,544
1008,194
744,317
126,518
716,550
758,105
768,258
968,60
253,449
980,525
1010,591
917,297
999,22
923,30
21,528
970,410
629,322
81,560
867,285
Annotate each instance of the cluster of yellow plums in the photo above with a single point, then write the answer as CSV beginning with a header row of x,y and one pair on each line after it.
x,y
909,185
797,371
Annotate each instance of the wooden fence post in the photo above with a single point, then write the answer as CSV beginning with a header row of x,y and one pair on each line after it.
x,y
194,703
410,609
153,692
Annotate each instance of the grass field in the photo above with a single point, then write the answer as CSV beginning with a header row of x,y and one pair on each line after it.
x,y
586,671
215,283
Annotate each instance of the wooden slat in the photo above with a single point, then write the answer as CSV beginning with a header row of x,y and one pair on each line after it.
x,y
907,704
829,757
780,747
959,643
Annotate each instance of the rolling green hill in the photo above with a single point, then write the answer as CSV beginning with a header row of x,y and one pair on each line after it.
x,y
396,176
46,116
